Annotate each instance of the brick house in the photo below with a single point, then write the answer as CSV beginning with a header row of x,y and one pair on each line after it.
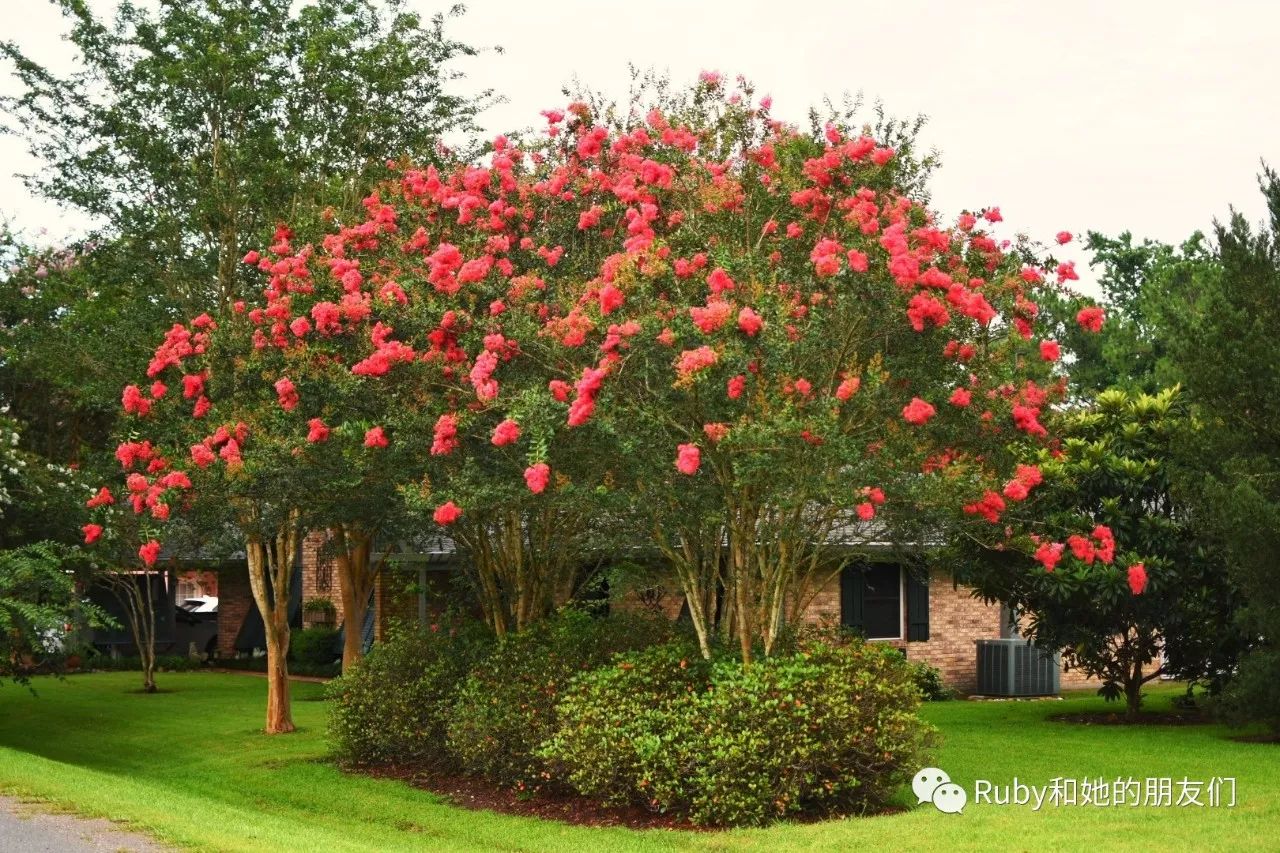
x,y
936,622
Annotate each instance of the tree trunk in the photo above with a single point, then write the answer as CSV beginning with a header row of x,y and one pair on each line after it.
x,y
1133,694
356,576
139,609
270,577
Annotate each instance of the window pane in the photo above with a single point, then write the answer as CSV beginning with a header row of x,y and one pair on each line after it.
x,y
882,602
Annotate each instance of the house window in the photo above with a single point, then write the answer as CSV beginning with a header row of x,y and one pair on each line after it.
x,y
881,599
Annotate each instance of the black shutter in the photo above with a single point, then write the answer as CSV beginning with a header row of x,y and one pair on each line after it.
x,y
917,608
851,597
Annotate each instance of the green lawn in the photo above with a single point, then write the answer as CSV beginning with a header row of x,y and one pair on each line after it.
x,y
189,767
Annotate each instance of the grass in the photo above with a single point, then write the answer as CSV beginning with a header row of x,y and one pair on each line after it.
x,y
190,767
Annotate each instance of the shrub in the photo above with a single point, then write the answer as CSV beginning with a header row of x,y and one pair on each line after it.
x,y
928,680
164,663
315,646
331,669
392,707
506,708
827,729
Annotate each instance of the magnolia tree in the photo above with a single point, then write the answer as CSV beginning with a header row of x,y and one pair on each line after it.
x,y
1106,562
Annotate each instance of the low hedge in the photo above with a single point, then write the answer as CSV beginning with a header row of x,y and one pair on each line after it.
x,y
828,729
315,646
259,664
164,663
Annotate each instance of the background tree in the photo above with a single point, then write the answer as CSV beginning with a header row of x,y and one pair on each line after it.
x,y
1136,279
41,610
189,130
1119,572
1222,339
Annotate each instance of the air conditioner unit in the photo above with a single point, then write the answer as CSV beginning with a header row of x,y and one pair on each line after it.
x,y
1017,668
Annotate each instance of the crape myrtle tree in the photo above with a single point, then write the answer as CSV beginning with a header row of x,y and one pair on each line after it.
x,y
598,308
445,366
306,411
782,340
1109,561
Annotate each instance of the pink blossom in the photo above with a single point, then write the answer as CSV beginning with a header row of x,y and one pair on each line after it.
x,y
445,440
447,513
749,322
688,459
1137,578
537,476
287,394
1090,319
507,432
375,437
149,552
317,432
918,412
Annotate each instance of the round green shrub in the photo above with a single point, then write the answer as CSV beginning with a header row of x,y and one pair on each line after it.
x,y
392,708
314,646
506,708
828,729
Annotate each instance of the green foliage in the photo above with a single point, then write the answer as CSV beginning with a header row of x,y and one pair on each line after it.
x,y
38,600
1117,470
194,128
393,707
320,605
506,707
314,646
1137,280
928,680
825,730
164,663
1223,340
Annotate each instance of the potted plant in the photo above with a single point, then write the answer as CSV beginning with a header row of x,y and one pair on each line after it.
x,y
319,613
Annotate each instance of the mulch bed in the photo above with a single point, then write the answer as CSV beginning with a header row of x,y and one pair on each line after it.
x,y
1144,718
564,806
550,804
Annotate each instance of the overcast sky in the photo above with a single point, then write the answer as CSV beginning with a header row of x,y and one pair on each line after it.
x,y
1147,116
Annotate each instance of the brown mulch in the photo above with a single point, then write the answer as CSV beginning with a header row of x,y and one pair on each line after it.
x,y
555,804
1144,718
559,805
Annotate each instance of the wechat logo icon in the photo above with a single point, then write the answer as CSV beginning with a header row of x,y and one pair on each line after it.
x,y
933,785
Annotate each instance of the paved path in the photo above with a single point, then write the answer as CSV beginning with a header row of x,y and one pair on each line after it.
x,y
24,828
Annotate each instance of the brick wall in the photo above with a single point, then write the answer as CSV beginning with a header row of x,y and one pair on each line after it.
x,y
235,601
956,621
319,575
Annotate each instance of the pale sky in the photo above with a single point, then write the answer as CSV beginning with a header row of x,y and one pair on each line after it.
x,y
1146,116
